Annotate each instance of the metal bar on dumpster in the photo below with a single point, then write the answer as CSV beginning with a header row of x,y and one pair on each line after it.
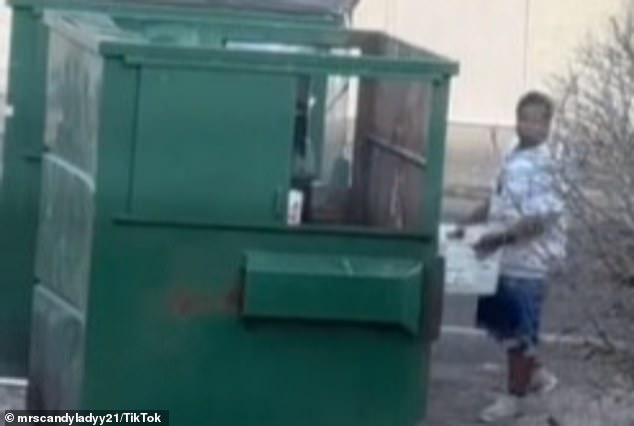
x,y
400,152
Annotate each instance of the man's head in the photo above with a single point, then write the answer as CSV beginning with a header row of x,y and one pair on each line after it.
x,y
534,115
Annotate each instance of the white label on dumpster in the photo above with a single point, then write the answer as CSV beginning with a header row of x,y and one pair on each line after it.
x,y
464,272
268,47
295,207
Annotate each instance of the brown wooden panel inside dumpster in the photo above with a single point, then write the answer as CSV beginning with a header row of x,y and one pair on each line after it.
x,y
387,189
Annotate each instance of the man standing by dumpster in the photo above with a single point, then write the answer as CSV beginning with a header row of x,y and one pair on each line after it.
x,y
526,214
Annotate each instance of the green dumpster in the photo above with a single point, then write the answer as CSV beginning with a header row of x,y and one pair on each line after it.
x,y
195,255
20,188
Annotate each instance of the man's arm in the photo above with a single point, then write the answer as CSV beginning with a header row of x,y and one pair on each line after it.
x,y
524,229
540,209
528,228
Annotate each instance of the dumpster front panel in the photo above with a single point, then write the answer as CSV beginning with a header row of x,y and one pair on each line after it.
x,y
210,163
185,310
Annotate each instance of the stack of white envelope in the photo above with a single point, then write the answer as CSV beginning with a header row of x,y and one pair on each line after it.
x,y
464,272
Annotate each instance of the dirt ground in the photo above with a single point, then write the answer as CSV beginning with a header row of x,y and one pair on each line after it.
x,y
468,371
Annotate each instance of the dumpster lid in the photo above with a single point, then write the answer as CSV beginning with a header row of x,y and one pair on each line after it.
x,y
338,7
305,7
198,43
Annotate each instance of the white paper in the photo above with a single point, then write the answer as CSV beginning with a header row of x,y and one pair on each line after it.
x,y
464,272
295,207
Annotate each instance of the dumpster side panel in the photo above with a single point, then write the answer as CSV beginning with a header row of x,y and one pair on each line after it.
x,y
19,194
73,105
56,355
66,227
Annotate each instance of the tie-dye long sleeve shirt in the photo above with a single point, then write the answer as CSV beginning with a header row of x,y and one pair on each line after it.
x,y
526,187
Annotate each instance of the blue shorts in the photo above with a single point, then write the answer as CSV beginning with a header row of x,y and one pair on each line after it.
x,y
512,315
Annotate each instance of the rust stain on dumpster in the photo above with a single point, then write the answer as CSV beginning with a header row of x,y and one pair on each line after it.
x,y
189,303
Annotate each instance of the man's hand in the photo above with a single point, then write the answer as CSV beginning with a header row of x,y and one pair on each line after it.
x,y
457,234
489,244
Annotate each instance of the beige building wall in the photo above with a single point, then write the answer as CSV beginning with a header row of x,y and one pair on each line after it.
x,y
557,27
504,46
461,29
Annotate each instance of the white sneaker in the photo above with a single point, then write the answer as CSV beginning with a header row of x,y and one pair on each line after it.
x,y
505,407
543,381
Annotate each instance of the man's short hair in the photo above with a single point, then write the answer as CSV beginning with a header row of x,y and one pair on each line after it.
x,y
536,98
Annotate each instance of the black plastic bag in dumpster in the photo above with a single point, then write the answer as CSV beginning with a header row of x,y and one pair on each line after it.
x,y
337,7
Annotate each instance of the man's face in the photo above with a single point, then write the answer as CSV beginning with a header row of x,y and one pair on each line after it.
x,y
533,125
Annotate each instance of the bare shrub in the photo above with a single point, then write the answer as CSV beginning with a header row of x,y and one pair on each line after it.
x,y
593,138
